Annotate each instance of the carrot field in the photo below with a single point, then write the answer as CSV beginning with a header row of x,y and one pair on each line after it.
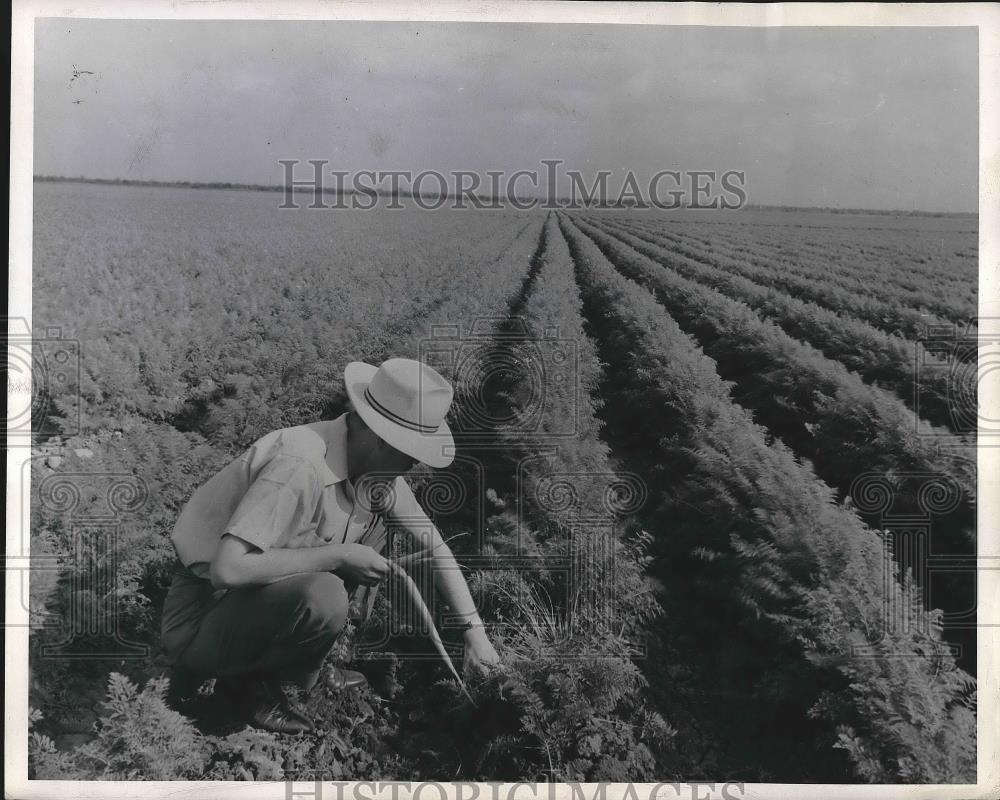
x,y
704,461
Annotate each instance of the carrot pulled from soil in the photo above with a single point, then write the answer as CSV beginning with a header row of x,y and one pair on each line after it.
x,y
428,619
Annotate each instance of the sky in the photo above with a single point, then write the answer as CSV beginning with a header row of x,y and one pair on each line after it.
x,y
882,118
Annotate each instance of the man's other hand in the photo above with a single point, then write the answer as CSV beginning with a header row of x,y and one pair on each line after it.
x,y
479,652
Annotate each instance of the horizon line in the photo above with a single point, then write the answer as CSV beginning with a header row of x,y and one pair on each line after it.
x,y
265,187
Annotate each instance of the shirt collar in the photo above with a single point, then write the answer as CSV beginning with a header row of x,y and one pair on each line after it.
x,y
334,433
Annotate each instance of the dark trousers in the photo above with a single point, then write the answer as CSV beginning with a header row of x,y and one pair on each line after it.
x,y
283,629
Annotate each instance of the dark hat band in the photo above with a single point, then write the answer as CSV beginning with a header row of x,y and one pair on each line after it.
x,y
393,417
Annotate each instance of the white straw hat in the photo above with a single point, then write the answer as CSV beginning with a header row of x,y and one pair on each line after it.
x,y
404,402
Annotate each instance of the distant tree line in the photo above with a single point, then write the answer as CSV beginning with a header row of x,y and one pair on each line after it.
x,y
261,187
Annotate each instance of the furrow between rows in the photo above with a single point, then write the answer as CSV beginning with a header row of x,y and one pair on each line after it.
x,y
856,436
775,587
893,318
934,389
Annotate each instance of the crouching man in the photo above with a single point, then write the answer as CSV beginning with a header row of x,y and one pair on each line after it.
x,y
274,548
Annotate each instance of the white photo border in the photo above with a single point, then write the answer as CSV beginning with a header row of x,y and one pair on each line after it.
x,y
985,16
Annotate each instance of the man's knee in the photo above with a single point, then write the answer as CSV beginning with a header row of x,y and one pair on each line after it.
x,y
323,599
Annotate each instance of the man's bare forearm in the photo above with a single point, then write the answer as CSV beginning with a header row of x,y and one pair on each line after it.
x,y
252,567
452,585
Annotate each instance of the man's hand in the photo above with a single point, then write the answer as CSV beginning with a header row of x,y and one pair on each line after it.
x,y
479,652
361,565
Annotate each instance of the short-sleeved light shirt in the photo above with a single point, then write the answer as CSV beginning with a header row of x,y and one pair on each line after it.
x,y
290,489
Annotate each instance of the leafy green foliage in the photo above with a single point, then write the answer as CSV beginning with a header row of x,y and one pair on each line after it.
x,y
792,584
552,710
892,314
876,356
823,412
568,701
138,737
926,267
217,329
723,606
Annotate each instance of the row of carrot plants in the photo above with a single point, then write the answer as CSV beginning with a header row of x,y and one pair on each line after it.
x,y
921,246
787,375
926,255
560,588
911,262
939,292
826,414
537,614
769,586
831,268
885,314
923,381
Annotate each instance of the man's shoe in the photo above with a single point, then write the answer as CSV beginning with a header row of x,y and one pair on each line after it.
x,y
260,702
273,711
340,679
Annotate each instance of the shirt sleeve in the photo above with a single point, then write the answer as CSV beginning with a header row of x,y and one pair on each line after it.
x,y
278,503
406,513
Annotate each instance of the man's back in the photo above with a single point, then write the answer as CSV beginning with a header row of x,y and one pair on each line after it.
x,y
238,495
289,489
